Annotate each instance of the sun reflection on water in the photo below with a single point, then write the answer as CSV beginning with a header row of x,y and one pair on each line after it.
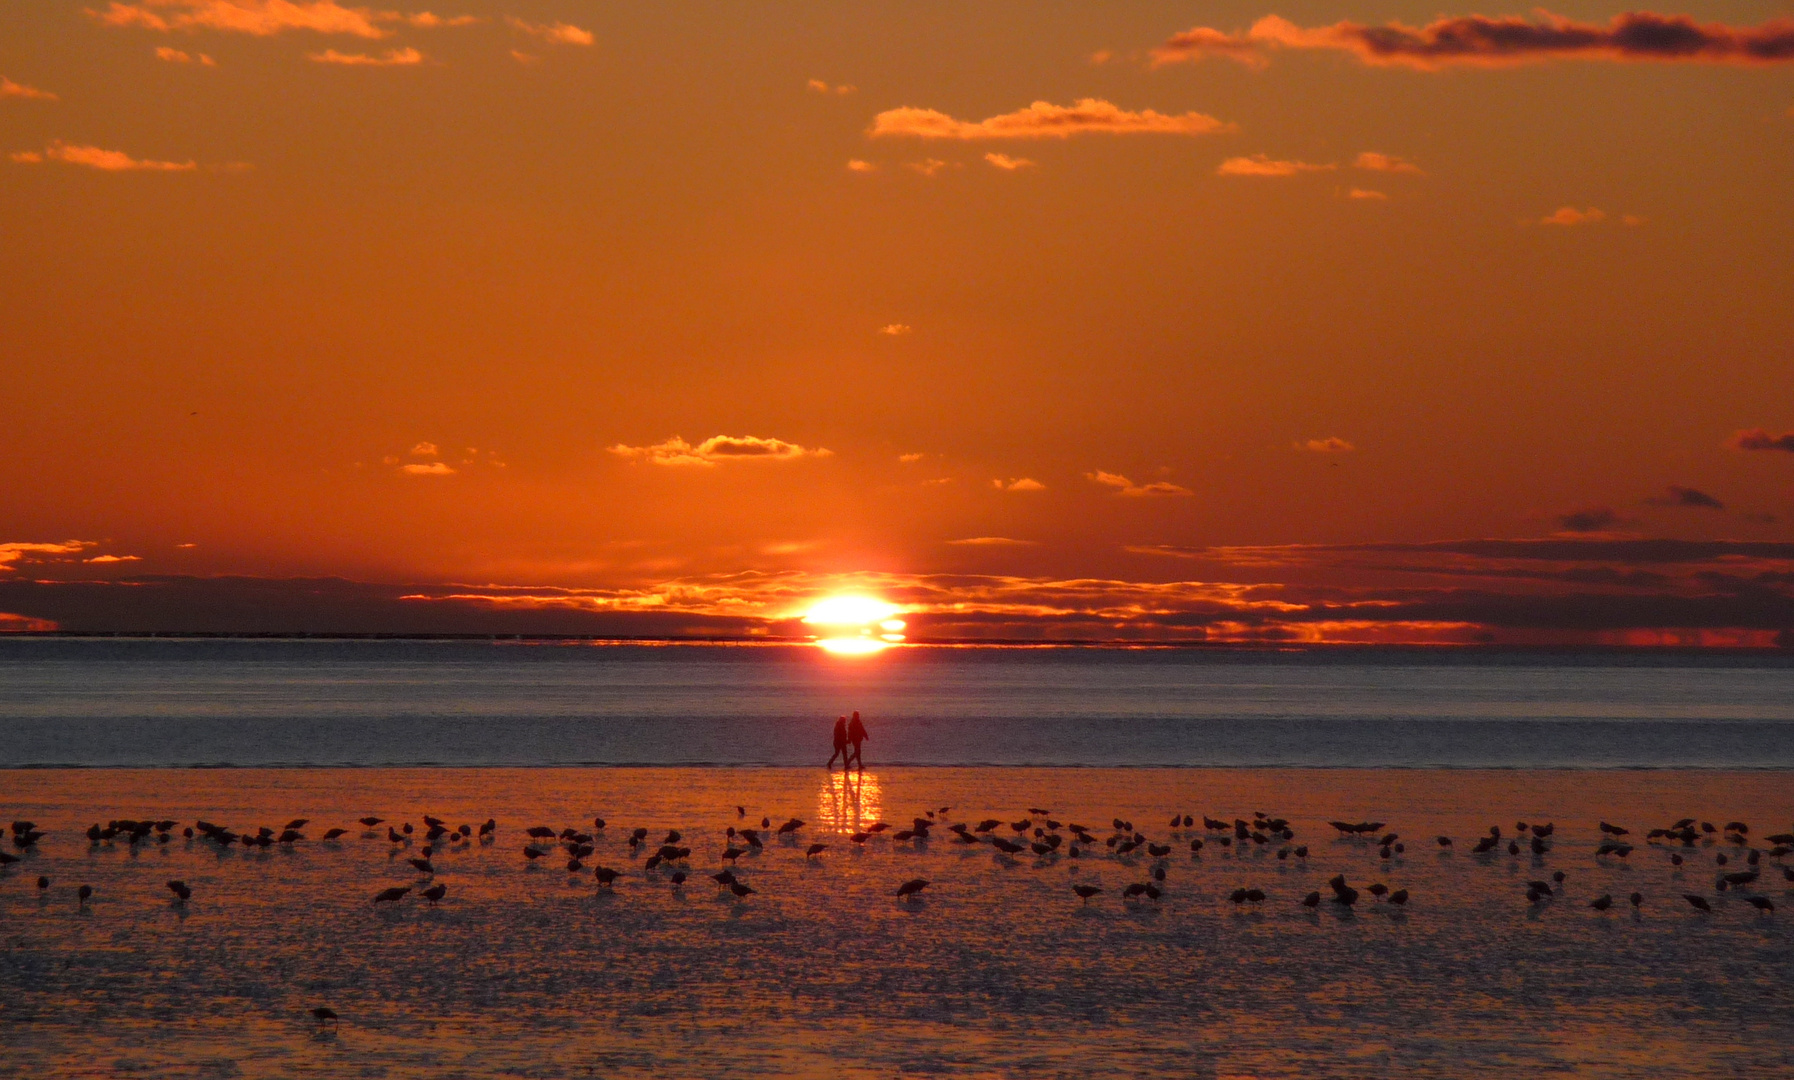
x,y
848,802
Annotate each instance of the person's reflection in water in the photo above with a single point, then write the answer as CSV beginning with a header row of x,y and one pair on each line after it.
x,y
840,743
856,734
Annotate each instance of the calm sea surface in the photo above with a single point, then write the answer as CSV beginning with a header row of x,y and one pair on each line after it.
x,y
108,702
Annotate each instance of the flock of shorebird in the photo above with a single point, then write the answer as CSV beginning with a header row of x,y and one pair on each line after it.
x,y
1038,833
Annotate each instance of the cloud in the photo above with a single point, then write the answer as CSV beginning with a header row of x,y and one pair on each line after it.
x,y
1025,483
1007,163
1483,41
1044,120
391,58
1687,498
93,157
8,88
821,87
928,167
1589,519
896,329
856,165
14,553
1568,216
1376,162
1198,42
113,559
1124,486
992,541
716,450
1363,193
261,18
558,32
1758,439
434,468
426,449
1261,165
1332,444
910,458
176,56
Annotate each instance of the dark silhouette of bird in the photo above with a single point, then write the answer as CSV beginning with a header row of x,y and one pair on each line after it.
x,y
1399,897
43,883
1637,899
324,1016
435,893
1761,903
730,854
678,878
1699,903
334,833
180,890
83,894
1613,830
741,891
1601,903
791,826
393,895
491,826
606,876
298,823
423,866
1444,841
1379,890
370,822
814,850
532,854
392,835
1085,892
724,879
912,886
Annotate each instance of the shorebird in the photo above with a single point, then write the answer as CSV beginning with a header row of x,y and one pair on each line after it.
x,y
1636,898
1399,897
1444,841
912,886
1601,903
370,822
814,850
334,833
741,891
435,893
1699,903
83,893
1761,903
180,890
423,866
1085,892
393,895
606,876
324,1016
1313,899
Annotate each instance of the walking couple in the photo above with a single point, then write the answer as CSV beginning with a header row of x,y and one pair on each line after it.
x,y
848,733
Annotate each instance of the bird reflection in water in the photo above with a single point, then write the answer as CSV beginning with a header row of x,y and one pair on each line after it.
x,y
848,801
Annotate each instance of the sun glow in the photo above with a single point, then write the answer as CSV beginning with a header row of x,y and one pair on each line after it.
x,y
855,625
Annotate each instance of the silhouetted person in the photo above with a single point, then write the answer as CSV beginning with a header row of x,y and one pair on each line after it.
x,y
856,734
840,744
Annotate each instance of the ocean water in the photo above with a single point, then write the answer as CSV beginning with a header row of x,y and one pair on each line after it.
x,y
109,702
998,970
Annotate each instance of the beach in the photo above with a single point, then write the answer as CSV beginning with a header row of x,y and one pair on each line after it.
x,y
995,969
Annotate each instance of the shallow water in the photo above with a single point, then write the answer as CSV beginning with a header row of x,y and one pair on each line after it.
x,y
525,970
106,702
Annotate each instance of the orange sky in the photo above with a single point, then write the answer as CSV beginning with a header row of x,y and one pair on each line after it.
x,y
1146,320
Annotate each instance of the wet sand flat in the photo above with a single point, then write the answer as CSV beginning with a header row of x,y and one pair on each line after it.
x,y
996,970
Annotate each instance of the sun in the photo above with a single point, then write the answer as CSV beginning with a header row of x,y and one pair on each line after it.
x,y
855,625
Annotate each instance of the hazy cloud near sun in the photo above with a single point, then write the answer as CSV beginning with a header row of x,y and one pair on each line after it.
x,y
718,449
264,18
559,32
1124,486
1687,498
1483,41
1024,483
94,157
13,553
1332,444
1758,439
1588,519
390,58
1044,120
992,541
1263,165
8,88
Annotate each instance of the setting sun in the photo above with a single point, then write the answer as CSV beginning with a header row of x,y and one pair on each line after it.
x,y
856,625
